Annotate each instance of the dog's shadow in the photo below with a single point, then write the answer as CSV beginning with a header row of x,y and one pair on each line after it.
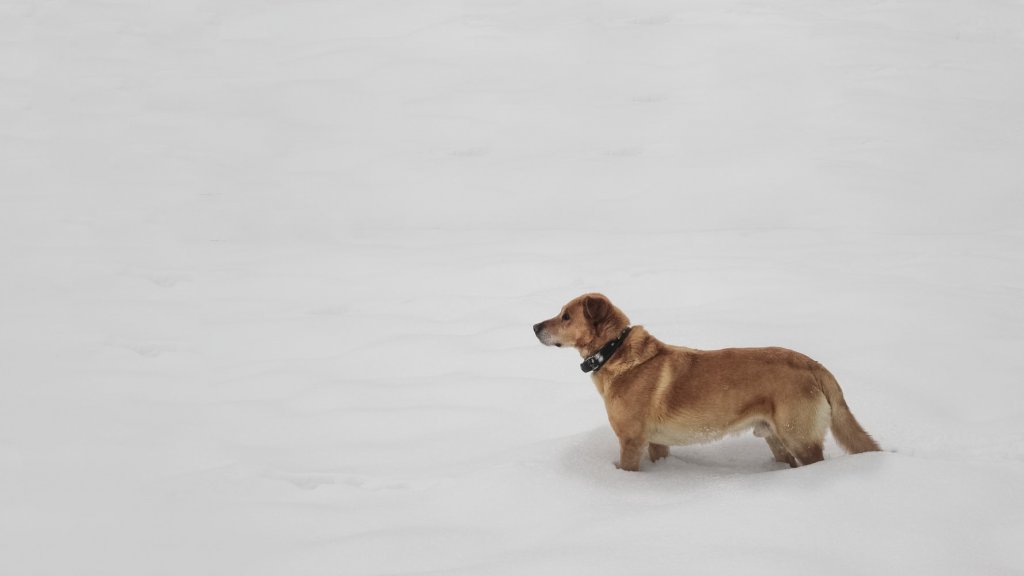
x,y
592,457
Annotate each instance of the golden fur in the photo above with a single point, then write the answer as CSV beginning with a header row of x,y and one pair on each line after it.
x,y
659,395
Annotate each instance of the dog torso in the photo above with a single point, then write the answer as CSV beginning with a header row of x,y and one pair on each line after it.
x,y
680,395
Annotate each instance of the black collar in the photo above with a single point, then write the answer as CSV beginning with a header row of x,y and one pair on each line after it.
x,y
597,359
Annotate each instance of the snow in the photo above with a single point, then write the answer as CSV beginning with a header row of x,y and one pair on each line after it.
x,y
270,270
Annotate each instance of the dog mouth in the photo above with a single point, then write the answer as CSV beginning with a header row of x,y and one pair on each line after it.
x,y
545,338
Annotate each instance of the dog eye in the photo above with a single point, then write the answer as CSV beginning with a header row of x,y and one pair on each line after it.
x,y
565,317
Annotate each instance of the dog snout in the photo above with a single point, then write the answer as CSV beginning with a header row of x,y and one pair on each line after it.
x,y
538,327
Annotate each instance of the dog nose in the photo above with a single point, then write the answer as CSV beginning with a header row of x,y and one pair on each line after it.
x,y
537,327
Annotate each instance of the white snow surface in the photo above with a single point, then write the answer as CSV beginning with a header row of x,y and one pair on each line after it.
x,y
270,268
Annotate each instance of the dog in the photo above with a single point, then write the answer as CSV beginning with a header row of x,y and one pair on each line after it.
x,y
658,395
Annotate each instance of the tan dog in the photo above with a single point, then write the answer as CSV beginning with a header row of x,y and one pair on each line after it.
x,y
658,395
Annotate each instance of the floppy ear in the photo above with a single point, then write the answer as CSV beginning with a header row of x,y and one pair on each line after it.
x,y
596,308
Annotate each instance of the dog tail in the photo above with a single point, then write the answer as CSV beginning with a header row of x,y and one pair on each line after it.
x,y
845,428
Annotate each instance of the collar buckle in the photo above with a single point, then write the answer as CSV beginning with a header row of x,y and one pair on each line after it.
x,y
595,361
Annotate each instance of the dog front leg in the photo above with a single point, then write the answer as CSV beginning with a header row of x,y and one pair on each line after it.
x,y
657,451
631,450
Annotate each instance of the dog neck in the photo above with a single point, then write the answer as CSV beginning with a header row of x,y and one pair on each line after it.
x,y
598,359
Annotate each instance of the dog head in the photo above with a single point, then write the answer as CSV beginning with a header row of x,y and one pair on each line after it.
x,y
585,323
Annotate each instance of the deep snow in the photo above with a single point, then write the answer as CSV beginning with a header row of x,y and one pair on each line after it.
x,y
269,272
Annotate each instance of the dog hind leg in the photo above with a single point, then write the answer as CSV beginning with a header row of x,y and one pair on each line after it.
x,y
800,426
764,430
810,453
780,452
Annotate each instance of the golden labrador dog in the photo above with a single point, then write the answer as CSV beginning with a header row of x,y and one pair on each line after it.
x,y
659,395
